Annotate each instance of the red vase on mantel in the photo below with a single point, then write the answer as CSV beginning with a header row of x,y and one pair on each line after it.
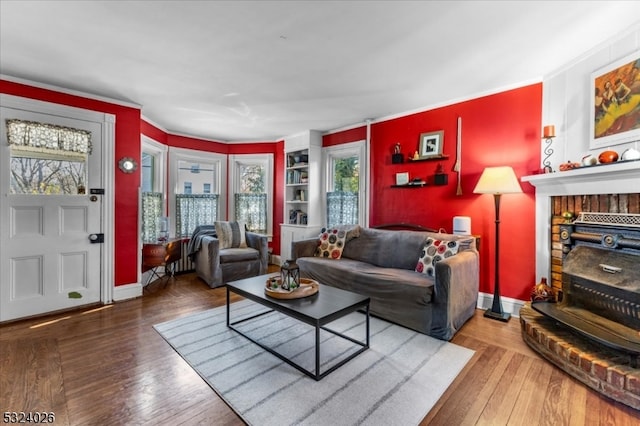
x,y
543,292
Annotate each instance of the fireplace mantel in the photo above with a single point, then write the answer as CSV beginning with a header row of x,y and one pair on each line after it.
x,y
617,178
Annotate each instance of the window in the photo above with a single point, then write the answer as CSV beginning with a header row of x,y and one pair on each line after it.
x,y
198,196
47,159
344,184
252,182
152,181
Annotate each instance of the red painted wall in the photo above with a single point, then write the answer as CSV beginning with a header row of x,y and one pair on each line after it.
x,y
127,136
501,129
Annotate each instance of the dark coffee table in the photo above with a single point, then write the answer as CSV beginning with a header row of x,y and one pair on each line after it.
x,y
318,310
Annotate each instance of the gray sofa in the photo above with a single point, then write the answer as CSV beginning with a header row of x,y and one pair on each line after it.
x,y
217,266
381,264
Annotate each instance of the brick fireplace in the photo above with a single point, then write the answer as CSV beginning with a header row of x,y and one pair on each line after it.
x,y
574,204
607,189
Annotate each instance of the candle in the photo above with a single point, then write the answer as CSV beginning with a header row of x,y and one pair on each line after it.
x,y
549,131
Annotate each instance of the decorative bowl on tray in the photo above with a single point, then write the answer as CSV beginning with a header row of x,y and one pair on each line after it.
x,y
273,288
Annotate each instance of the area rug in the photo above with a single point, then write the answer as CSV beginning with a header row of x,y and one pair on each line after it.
x,y
394,382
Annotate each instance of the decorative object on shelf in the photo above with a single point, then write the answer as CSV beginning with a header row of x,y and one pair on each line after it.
x,y
417,182
458,166
607,157
440,177
416,156
548,133
289,275
127,165
497,181
397,157
402,178
613,113
543,292
431,144
589,160
630,154
567,217
569,165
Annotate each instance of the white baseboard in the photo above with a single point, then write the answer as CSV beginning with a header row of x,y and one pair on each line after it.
x,y
127,291
512,306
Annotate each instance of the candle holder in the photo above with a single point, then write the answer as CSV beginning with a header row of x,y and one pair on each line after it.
x,y
289,275
549,132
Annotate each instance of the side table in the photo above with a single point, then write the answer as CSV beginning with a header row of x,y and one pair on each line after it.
x,y
161,254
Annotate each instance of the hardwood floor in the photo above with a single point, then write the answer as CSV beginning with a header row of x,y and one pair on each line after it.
x,y
107,365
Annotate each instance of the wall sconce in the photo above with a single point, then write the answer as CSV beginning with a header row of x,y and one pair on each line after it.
x,y
127,165
548,133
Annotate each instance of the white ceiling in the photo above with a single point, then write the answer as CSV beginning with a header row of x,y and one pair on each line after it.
x,y
261,70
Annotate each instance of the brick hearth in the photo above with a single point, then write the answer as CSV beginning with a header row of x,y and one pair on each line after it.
x,y
602,369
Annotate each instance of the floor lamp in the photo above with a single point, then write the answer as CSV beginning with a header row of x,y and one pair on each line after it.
x,y
497,181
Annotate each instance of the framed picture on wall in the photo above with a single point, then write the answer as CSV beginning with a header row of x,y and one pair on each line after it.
x,y
431,144
615,103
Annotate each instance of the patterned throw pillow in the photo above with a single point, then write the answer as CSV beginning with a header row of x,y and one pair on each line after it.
x,y
231,234
433,252
331,243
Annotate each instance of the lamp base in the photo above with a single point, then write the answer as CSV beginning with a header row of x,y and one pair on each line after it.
x,y
500,316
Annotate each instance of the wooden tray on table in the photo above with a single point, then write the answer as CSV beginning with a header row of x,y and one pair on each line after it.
x,y
308,287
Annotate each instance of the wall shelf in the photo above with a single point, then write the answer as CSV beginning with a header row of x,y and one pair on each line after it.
x,y
407,185
435,157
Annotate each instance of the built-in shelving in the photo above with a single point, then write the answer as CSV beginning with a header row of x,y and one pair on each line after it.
x,y
303,201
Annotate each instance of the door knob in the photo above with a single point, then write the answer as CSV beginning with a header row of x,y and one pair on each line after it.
x,y
96,238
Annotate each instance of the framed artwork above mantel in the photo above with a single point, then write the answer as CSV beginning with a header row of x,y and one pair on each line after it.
x,y
615,103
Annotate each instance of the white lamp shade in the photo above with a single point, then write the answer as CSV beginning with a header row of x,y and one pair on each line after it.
x,y
498,180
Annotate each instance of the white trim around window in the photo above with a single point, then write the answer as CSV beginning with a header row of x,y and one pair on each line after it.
x,y
219,160
350,149
265,160
159,152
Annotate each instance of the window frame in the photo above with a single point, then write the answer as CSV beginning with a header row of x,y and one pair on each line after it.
x,y
183,154
159,152
329,154
265,160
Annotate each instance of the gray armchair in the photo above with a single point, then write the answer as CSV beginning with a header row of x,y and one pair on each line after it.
x,y
217,266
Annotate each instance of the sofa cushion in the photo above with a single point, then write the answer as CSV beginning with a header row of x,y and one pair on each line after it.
x,y
238,254
435,250
388,249
331,243
364,278
231,234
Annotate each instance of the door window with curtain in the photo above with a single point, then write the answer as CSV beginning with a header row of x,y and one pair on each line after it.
x,y
47,159
251,179
152,191
198,197
344,184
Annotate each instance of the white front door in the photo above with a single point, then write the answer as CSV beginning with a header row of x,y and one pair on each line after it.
x,y
47,259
